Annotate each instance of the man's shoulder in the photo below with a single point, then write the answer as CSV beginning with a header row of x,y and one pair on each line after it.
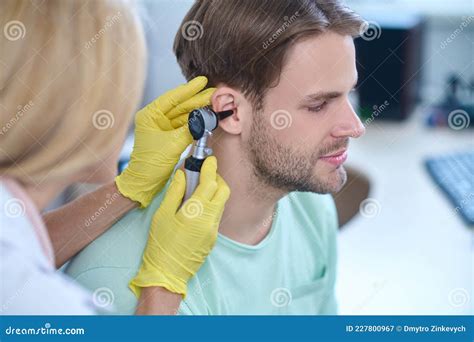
x,y
122,245
113,259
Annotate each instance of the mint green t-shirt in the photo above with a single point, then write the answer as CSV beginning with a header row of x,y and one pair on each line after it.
x,y
291,271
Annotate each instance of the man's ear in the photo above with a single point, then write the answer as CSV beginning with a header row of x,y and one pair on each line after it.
x,y
226,98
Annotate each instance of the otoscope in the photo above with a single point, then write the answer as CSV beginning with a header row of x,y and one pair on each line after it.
x,y
201,122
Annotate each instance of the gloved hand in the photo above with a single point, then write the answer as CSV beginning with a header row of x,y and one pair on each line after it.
x,y
161,136
180,240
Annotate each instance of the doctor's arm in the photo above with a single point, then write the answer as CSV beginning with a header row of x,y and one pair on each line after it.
x,y
75,225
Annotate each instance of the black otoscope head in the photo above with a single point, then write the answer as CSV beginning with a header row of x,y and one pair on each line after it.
x,y
203,119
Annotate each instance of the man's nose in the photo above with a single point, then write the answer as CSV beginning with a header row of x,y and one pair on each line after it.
x,y
349,124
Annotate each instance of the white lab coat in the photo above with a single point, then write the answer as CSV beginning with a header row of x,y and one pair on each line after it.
x,y
29,281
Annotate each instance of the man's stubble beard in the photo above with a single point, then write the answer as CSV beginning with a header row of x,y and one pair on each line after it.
x,y
286,168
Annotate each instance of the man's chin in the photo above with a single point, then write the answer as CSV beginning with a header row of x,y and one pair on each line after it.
x,y
332,182
340,176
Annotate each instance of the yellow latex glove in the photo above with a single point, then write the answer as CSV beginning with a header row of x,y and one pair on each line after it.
x,y
161,136
180,240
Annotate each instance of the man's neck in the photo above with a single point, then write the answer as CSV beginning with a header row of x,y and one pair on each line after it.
x,y
249,212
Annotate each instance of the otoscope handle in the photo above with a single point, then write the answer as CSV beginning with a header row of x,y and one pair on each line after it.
x,y
192,181
192,170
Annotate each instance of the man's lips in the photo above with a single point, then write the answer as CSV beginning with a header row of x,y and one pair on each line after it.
x,y
337,158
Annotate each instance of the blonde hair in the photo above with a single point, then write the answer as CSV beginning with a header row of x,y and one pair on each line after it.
x,y
71,76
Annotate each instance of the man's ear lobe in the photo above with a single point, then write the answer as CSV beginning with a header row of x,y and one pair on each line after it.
x,y
225,98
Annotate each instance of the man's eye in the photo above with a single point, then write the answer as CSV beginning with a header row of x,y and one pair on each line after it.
x,y
317,108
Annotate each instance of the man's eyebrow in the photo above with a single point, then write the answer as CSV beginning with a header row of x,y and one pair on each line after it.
x,y
322,95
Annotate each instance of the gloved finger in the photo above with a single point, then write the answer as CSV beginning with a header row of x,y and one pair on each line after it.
x,y
222,193
174,97
207,179
197,101
180,136
150,117
175,193
180,121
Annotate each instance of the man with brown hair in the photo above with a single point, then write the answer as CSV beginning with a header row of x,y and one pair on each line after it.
x,y
285,68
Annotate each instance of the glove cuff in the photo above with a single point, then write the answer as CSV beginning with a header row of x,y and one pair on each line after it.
x,y
122,186
148,277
